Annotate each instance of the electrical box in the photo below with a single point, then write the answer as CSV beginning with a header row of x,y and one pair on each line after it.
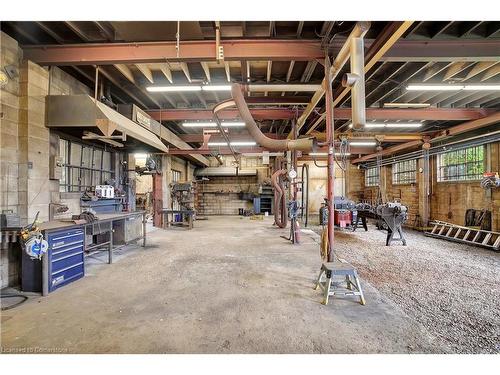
x,y
55,168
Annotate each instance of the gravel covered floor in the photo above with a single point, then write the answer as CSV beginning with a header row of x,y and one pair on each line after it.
x,y
451,289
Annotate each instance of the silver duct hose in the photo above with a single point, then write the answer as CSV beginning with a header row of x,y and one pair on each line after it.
x,y
303,144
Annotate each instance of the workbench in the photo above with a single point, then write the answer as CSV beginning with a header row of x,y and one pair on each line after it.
x,y
68,244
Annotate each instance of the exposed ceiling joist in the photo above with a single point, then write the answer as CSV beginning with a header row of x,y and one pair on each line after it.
x,y
434,71
76,29
491,72
455,68
165,69
206,70
479,68
115,82
185,70
124,69
228,71
146,72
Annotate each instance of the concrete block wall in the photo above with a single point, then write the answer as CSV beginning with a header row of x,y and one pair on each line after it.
x,y
220,195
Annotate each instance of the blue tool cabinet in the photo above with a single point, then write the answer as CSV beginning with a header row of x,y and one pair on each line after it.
x,y
65,257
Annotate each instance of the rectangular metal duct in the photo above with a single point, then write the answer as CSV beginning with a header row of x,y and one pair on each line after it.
x,y
83,111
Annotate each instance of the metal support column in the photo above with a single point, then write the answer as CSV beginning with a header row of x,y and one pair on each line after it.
x,y
330,136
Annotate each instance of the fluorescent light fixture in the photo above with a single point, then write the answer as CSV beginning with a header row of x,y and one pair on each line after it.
x,y
199,124
363,143
217,143
434,87
406,105
453,87
233,124
392,125
326,154
240,143
404,125
244,143
482,87
228,124
173,88
216,88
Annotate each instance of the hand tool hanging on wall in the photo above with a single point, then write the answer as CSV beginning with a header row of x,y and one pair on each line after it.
x,y
32,240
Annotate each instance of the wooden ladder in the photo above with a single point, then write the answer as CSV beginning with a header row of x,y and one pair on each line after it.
x,y
467,235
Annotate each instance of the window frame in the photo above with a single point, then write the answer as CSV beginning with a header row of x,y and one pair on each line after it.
x,y
403,169
374,179
82,174
444,164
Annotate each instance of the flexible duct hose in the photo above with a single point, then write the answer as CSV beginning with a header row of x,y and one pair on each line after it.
x,y
302,144
280,207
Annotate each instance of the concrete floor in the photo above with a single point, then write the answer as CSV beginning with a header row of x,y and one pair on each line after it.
x,y
231,285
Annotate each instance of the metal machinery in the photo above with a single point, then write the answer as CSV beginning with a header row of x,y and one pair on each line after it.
x,y
391,216
345,212
183,196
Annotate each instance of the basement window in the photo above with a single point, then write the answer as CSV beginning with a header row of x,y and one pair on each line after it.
x,y
461,165
371,177
404,172
83,166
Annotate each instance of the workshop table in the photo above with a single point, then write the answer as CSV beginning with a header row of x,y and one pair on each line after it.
x,y
103,225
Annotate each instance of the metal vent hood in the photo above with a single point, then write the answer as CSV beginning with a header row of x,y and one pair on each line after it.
x,y
81,111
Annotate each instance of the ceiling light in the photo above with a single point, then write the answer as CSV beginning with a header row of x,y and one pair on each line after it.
x,y
434,87
199,124
326,154
453,87
364,143
216,88
217,143
227,124
404,125
173,88
482,87
235,124
240,143
406,105
244,143
393,125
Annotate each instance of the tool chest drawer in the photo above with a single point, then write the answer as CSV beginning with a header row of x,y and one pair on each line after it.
x,y
65,257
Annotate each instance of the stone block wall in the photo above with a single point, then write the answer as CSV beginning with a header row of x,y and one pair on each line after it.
x,y
221,195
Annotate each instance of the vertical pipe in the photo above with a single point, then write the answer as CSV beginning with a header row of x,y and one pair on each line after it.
x,y
358,89
330,136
